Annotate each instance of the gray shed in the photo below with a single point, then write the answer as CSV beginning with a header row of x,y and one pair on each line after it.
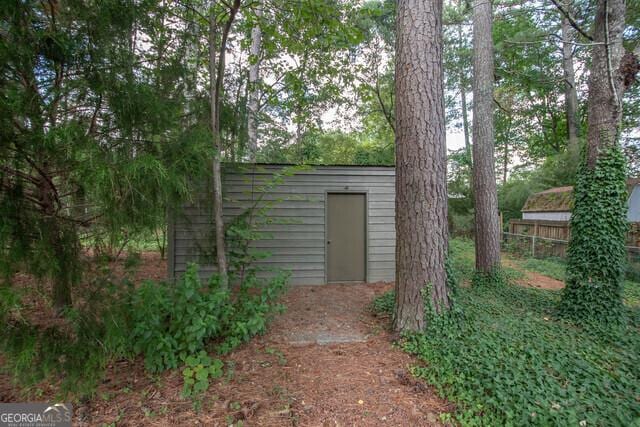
x,y
328,223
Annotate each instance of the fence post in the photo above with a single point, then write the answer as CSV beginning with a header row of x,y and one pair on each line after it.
x,y
533,246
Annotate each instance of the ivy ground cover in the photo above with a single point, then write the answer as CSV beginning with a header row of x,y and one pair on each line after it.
x,y
505,358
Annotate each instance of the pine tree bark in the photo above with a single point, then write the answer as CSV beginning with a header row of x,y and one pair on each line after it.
x,y
421,190
570,92
484,174
253,105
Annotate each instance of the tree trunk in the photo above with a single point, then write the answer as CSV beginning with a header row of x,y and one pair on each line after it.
x,y
505,156
63,276
61,271
484,175
463,98
421,189
570,93
606,82
465,122
596,254
253,105
216,76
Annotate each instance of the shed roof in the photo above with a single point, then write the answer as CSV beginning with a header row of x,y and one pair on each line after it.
x,y
557,199
560,199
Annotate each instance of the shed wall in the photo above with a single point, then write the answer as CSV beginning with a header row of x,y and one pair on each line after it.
x,y
295,236
633,214
547,216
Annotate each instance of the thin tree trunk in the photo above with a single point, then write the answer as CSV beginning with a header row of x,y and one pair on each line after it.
x,y
254,90
216,77
505,156
421,189
570,92
484,175
505,162
463,99
465,122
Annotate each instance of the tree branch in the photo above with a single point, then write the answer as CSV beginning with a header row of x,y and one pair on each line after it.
x,y
572,20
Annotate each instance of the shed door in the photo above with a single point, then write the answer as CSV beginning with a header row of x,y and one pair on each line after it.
x,y
346,237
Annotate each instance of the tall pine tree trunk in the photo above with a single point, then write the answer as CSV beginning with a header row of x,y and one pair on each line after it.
x,y
484,174
421,190
253,105
570,92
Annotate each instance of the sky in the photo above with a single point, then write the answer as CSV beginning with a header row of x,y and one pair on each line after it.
x,y
332,119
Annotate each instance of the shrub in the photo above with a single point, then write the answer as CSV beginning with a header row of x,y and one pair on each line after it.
x,y
173,322
253,307
171,325
166,323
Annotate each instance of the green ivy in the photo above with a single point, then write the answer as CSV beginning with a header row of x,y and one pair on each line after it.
x,y
596,255
495,277
509,361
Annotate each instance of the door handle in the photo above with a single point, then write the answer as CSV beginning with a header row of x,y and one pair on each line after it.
x,y
328,242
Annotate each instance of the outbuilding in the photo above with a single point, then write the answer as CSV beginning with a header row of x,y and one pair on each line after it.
x,y
547,214
555,204
325,224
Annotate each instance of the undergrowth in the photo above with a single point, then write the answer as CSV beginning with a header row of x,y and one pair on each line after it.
x,y
508,360
170,325
174,322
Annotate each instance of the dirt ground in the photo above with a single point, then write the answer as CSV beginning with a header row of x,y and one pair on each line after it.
x,y
326,361
532,279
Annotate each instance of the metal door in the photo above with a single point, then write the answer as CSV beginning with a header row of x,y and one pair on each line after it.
x,y
346,237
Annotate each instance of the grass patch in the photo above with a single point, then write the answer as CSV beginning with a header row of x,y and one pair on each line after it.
x,y
508,361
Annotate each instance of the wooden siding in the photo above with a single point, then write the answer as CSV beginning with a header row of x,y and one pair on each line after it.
x,y
295,236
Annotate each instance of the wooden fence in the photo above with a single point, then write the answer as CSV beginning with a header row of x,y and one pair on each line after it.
x,y
560,230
